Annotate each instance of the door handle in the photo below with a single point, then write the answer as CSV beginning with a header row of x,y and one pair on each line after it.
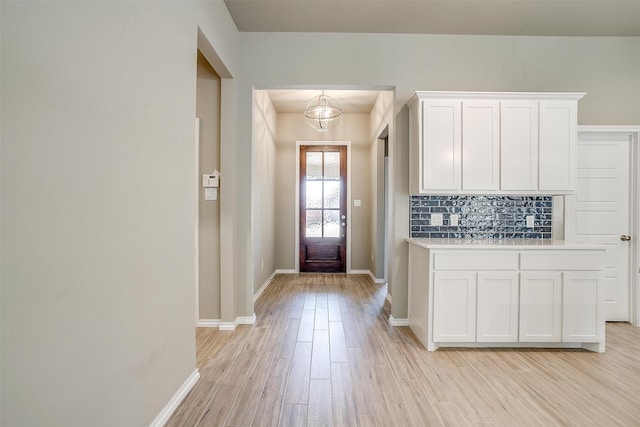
x,y
625,238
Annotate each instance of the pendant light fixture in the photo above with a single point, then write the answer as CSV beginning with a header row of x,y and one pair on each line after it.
x,y
322,113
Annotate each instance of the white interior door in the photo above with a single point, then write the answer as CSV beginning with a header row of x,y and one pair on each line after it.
x,y
599,212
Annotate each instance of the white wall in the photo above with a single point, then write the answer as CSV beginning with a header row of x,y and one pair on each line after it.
x,y
98,188
606,68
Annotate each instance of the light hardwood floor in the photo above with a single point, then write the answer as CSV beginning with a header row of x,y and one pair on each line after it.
x,y
322,353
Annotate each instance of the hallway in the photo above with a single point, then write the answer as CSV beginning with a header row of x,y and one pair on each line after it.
x,y
322,353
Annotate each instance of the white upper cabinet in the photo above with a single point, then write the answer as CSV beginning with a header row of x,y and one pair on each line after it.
x,y
558,145
481,148
519,140
493,142
441,157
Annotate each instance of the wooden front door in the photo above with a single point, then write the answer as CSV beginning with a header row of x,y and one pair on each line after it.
x,y
323,208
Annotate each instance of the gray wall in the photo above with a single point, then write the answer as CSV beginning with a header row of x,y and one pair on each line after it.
x,y
604,67
264,174
208,111
98,210
382,118
97,177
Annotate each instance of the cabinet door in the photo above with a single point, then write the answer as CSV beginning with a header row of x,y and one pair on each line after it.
x,y
419,292
582,315
519,145
541,306
497,308
454,307
558,145
480,145
441,142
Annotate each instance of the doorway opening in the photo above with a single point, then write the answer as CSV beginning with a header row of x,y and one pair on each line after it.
x,y
379,256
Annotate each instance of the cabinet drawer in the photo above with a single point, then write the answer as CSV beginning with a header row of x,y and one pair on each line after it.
x,y
561,260
484,260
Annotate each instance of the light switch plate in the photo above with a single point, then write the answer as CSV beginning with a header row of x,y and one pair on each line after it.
x,y
210,193
357,202
454,219
436,219
531,221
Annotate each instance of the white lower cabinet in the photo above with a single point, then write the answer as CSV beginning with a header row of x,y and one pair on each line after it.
x,y
497,306
582,316
541,306
454,317
523,298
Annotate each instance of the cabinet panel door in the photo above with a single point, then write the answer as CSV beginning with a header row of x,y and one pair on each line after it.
x,y
441,142
497,308
480,145
519,145
558,146
541,306
454,308
419,292
582,315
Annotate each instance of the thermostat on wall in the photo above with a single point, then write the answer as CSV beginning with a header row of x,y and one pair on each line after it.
x,y
209,181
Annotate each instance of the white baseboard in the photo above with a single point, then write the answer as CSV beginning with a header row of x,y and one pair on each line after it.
x,y
286,271
240,320
227,326
246,320
370,274
175,401
389,298
398,322
208,323
264,287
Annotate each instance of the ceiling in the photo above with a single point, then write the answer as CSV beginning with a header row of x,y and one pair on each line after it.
x,y
471,17
350,101
466,17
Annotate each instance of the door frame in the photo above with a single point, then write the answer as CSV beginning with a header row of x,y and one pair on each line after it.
x,y
633,132
297,200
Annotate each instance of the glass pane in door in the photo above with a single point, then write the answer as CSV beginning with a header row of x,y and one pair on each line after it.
x,y
313,226
313,195
332,165
314,165
331,226
331,194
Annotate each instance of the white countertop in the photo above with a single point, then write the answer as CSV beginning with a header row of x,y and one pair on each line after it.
x,y
502,244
